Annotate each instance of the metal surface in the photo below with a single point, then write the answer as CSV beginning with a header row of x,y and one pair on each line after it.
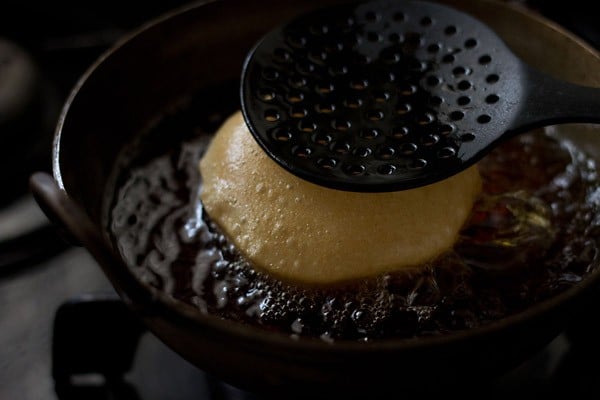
x,y
28,303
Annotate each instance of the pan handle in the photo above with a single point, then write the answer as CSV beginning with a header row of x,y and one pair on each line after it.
x,y
55,204
79,228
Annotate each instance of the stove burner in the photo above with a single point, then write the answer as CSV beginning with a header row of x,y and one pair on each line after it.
x,y
94,336
96,341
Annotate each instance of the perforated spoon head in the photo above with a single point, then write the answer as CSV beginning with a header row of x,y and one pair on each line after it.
x,y
391,95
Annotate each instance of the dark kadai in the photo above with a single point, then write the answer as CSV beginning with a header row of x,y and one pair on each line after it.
x,y
532,234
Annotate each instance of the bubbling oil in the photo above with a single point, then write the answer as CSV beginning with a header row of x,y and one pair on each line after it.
x,y
532,234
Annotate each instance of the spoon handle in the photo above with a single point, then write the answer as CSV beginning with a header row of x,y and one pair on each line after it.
x,y
551,101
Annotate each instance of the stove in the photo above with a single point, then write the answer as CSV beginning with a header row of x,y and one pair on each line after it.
x,y
48,288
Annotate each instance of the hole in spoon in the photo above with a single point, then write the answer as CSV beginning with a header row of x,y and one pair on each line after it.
x,y
484,119
492,98
450,30
470,43
272,116
485,59
492,78
463,100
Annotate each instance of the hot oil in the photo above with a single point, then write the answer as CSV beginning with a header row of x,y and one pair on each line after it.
x,y
531,235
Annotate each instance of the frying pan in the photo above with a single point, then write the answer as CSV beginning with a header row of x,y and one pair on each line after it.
x,y
204,44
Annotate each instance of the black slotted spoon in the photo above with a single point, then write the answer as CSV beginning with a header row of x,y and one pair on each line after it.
x,y
391,95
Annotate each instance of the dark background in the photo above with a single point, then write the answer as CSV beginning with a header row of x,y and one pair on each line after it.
x,y
49,28
65,36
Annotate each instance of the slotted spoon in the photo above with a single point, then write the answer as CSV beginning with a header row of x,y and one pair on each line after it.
x,y
391,95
